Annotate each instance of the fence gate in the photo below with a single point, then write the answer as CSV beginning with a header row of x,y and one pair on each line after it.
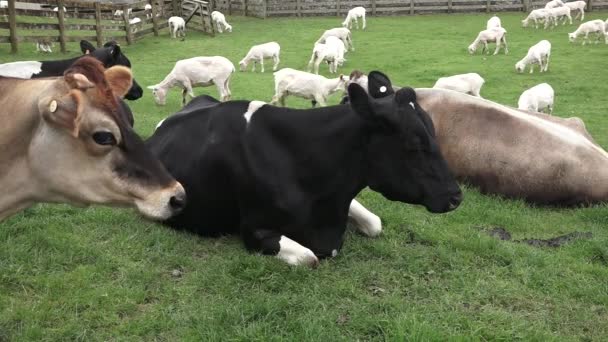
x,y
202,12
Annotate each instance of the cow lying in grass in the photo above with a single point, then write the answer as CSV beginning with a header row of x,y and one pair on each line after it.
x,y
67,142
284,178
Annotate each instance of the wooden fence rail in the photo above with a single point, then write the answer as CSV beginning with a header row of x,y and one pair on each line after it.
x,y
92,21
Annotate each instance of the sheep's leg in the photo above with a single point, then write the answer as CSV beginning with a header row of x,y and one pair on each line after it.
x,y
582,14
364,23
262,62
531,67
541,64
222,90
253,67
547,63
278,97
317,62
311,62
276,62
497,46
585,38
504,40
321,100
569,18
356,23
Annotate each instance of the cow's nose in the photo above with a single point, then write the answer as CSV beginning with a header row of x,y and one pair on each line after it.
x,y
178,202
455,201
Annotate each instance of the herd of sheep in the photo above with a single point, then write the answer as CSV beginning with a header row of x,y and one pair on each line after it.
x,y
332,46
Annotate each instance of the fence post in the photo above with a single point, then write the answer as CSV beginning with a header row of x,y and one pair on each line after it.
x,y
12,25
374,7
246,7
487,6
298,9
154,19
264,9
337,8
589,6
449,6
61,18
229,7
411,7
125,17
98,30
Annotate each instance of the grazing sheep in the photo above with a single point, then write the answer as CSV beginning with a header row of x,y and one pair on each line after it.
x,y
560,12
257,53
353,15
118,13
177,27
220,22
289,81
538,98
3,4
56,9
193,72
537,15
340,32
496,35
537,54
148,11
597,26
577,6
465,83
44,45
332,51
493,22
554,4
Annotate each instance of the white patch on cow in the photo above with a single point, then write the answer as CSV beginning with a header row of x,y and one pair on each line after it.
x,y
20,69
364,220
295,254
383,89
160,123
412,104
252,108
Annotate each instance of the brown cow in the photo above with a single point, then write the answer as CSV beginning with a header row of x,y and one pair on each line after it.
x,y
65,140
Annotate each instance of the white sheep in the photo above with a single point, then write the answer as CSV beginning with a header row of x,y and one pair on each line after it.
x,y
148,11
353,15
55,9
44,45
537,15
577,6
554,4
289,81
135,24
220,22
560,12
177,27
196,72
118,13
331,51
537,99
3,4
493,22
257,53
539,54
465,83
496,35
341,32
597,26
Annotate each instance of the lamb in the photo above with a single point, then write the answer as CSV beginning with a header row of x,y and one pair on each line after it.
x,y
353,15
289,81
341,32
560,12
554,4
538,98
3,4
257,53
177,27
497,35
537,15
597,26
56,9
135,24
119,13
577,6
332,51
44,45
537,54
193,72
493,22
148,11
220,22
465,83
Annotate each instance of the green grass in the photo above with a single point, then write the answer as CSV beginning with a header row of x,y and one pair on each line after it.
x,y
106,274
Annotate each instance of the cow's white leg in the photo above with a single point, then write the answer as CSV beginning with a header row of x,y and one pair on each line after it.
x,y
364,220
295,254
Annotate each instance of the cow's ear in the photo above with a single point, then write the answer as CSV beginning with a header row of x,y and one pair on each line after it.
x,y
78,81
360,102
120,79
64,112
86,47
115,51
379,85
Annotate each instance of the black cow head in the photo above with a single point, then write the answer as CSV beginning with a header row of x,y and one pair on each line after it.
x,y
405,163
111,55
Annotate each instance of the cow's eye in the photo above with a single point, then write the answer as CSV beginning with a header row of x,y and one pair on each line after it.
x,y
104,138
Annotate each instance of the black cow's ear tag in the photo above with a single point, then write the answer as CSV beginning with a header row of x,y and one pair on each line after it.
x,y
53,106
379,85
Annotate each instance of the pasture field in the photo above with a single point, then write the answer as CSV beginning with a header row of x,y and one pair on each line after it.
x,y
106,274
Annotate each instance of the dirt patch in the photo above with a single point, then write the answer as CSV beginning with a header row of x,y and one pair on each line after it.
x,y
502,234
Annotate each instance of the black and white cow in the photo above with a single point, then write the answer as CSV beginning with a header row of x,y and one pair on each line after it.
x,y
284,178
110,55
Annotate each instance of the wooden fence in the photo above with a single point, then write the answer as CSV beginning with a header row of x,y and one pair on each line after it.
x,y
299,8
31,20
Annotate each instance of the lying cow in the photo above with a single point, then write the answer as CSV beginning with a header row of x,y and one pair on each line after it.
x,y
284,178
541,158
68,142
110,55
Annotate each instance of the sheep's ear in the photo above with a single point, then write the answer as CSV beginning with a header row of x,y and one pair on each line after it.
x,y
151,87
379,85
